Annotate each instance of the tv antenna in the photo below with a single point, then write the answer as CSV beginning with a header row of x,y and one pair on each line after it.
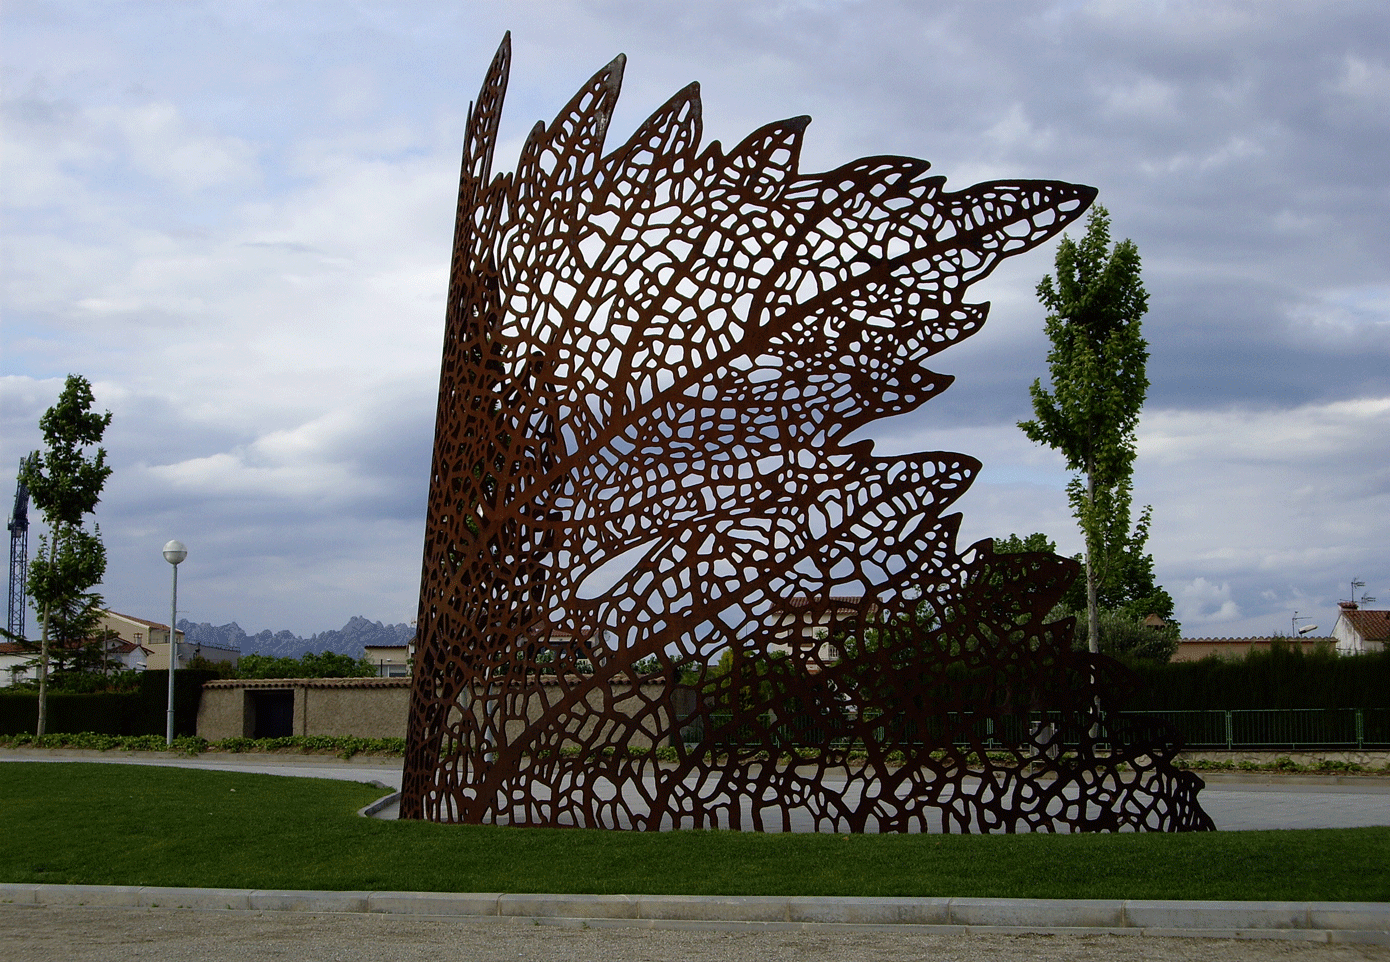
x,y
1365,599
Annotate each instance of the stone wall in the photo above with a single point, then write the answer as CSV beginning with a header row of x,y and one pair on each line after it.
x,y
365,707
376,707
1367,758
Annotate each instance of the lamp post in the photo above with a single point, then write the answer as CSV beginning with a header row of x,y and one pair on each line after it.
x,y
174,552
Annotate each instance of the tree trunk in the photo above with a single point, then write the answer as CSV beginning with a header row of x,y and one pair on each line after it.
x,y
42,725
1092,563
1092,602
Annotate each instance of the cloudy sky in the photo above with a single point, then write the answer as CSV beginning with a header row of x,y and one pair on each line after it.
x,y
234,218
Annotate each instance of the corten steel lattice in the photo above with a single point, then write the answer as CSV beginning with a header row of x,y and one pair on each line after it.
x,y
653,362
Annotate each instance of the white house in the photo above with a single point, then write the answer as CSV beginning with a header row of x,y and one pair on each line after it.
x,y
17,663
154,635
392,661
797,628
138,630
14,663
132,643
1359,630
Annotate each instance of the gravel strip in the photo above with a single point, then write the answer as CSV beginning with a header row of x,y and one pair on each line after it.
x,y
171,935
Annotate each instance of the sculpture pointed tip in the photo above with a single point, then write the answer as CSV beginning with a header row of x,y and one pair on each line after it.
x,y
616,66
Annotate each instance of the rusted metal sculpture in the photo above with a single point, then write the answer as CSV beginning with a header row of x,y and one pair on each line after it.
x,y
646,513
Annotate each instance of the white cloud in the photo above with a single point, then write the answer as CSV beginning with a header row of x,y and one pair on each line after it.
x,y
162,144
1366,83
237,224
1273,438
1016,132
1266,499
1199,600
1145,98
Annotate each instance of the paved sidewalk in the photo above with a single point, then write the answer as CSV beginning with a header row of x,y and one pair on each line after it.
x,y
63,934
1366,923
385,771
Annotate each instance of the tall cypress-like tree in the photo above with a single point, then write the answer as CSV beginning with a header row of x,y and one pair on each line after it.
x,y
65,483
1097,368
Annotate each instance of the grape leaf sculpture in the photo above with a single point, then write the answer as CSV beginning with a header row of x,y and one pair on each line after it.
x,y
644,497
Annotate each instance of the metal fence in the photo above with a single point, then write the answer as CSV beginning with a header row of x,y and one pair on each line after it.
x,y
1270,729
1290,728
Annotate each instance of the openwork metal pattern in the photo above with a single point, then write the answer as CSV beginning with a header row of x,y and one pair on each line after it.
x,y
649,524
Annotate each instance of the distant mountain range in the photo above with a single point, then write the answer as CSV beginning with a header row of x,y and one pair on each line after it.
x,y
348,640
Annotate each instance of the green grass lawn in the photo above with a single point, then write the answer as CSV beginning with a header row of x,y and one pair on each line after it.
x,y
138,825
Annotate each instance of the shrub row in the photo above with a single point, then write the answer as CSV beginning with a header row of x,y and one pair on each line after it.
x,y
141,712
1326,766
343,746
103,742
1283,677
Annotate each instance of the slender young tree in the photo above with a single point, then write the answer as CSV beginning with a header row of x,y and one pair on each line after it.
x,y
1097,367
65,483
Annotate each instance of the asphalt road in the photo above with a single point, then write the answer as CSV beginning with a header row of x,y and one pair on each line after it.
x,y
170,935
1235,802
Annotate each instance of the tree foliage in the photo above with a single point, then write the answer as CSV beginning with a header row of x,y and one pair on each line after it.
x,y
64,481
1014,544
1098,384
1124,635
1129,588
1098,357
323,664
1126,599
58,581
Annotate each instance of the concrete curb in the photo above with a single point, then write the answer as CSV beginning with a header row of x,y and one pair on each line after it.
x,y
381,804
1371,780
1359,922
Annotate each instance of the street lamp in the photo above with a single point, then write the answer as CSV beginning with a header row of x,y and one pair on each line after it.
x,y
174,552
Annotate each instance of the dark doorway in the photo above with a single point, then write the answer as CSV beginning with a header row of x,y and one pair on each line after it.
x,y
273,713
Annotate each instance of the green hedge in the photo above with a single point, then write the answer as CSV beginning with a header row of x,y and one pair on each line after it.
x,y
140,712
105,712
1280,678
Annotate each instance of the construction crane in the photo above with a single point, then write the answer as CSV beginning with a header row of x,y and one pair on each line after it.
x,y
19,555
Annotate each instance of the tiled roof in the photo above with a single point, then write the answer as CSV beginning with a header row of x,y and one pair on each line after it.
x,y
554,634
1264,640
1224,641
139,621
837,601
1370,625
116,647
370,682
205,644
308,683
